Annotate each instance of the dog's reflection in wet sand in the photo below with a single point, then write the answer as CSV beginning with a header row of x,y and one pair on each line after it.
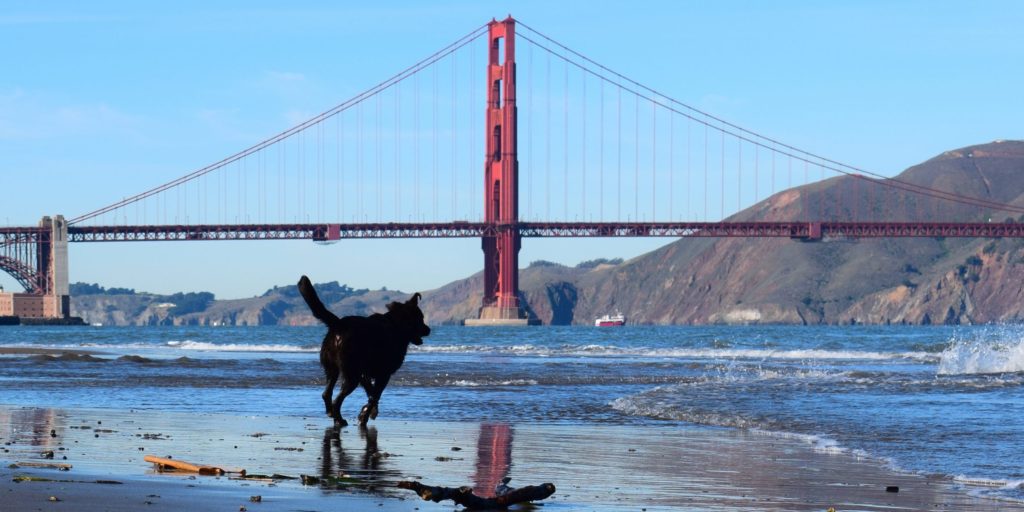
x,y
368,465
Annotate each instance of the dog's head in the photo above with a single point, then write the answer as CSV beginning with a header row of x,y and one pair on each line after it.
x,y
408,313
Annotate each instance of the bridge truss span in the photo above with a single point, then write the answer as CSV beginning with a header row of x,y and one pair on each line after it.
x,y
20,249
329,232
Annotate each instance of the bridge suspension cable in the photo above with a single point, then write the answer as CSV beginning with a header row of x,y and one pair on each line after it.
x,y
777,148
300,128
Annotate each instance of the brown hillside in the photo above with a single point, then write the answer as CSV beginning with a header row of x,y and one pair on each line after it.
x,y
743,280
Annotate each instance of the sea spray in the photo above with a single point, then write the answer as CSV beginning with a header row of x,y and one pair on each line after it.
x,y
994,350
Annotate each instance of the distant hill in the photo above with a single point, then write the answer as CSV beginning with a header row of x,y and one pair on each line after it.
x,y
749,280
277,306
729,280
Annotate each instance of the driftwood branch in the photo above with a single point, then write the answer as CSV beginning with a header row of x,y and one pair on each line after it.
x,y
464,495
164,463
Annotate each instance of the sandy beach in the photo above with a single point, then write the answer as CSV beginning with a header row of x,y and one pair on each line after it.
x,y
593,467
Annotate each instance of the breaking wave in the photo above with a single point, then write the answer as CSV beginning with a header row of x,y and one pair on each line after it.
x,y
990,354
238,347
691,353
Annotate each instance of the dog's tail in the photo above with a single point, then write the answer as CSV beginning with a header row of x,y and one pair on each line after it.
x,y
313,301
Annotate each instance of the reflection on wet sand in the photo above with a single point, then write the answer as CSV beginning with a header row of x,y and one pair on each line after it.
x,y
39,428
493,457
368,466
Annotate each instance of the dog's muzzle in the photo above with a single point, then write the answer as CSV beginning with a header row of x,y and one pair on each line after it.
x,y
424,332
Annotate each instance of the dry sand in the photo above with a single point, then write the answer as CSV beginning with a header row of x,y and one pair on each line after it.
x,y
593,467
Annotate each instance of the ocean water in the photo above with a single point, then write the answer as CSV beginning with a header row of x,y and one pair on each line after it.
x,y
935,400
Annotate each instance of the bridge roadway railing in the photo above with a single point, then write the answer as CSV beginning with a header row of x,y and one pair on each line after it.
x,y
458,229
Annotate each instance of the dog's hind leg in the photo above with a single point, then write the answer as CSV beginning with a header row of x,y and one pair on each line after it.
x,y
347,387
332,379
373,393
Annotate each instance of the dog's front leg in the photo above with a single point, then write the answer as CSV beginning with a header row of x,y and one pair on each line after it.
x,y
373,393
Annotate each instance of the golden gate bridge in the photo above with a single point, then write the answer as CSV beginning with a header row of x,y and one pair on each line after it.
x,y
570,148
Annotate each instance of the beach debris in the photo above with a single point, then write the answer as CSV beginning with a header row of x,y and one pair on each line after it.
x,y
256,499
48,454
502,488
270,480
54,498
49,465
331,481
892,488
165,463
464,495
28,478
53,433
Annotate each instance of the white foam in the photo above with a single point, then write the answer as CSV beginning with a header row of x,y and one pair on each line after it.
x,y
988,482
689,353
981,356
203,346
993,489
513,382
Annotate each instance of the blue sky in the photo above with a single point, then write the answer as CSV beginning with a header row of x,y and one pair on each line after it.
x,y
102,100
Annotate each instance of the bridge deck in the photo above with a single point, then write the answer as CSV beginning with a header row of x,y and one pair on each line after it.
x,y
332,231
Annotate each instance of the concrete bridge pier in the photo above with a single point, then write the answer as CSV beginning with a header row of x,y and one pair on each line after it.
x,y
49,295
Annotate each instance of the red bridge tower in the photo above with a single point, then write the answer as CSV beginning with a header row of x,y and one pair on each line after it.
x,y
501,183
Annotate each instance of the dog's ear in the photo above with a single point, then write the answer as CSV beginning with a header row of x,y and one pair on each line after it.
x,y
415,299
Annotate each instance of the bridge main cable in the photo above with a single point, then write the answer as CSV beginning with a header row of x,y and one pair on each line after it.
x,y
756,138
359,98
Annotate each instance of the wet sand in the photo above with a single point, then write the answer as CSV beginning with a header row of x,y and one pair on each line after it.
x,y
594,467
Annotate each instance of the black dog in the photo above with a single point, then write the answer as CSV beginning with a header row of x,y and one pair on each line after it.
x,y
364,350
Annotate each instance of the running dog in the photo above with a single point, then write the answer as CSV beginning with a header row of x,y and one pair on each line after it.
x,y
364,350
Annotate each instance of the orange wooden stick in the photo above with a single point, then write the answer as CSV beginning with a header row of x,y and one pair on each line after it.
x,y
188,466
